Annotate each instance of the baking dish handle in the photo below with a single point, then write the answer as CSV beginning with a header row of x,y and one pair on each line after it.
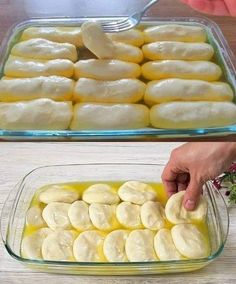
x,y
6,213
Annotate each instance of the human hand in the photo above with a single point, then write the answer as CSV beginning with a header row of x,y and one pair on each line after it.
x,y
214,7
192,164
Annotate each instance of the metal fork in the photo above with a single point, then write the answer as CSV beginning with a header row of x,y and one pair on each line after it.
x,y
128,23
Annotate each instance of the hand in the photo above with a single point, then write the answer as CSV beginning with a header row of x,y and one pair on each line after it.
x,y
214,7
192,164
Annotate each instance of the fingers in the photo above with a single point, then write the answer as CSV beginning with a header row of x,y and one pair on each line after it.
x,y
216,7
169,179
192,194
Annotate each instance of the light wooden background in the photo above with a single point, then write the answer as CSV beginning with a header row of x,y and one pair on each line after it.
x,y
16,159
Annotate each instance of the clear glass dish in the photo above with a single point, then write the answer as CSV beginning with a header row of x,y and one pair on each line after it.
x,y
13,218
224,57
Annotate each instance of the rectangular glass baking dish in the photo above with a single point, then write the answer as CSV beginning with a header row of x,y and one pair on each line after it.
x,y
224,57
13,218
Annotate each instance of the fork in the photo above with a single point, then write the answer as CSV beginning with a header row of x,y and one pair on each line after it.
x,y
128,23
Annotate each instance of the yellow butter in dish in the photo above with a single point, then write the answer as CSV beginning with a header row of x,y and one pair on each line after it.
x,y
106,69
23,68
109,116
161,69
118,91
24,89
133,36
178,50
41,114
173,32
58,34
182,115
186,90
39,48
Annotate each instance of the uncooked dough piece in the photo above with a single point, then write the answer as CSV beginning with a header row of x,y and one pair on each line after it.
x,y
114,246
21,89
178,50
41,114
137,192
173,32
189,241
79,216
59,245
34,217
88,247
56,216
103,216
177,214
182,115
57,34
140,246
106,69
96,40
128,215
58,193
117,91
39,48
32,244
168,90
164,246
127,52
21,67
182,69
109,116
153,215
100,193
133,36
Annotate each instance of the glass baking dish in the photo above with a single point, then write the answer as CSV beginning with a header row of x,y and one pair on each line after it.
x,y
224,57
13,218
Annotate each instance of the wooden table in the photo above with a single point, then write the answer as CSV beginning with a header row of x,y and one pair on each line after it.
x,y
17,159
12,12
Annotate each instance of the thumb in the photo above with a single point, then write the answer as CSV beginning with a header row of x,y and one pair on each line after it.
x,y
192,194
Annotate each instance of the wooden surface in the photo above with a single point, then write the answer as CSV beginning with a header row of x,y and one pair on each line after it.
x,y
14,11
17,159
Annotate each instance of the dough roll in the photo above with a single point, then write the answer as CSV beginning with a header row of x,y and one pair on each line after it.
x,y
105,69
24,89
133,36
162,69
23,67
168,90
58,34
41,114
175,33
178,50
118,91
110,116
181,115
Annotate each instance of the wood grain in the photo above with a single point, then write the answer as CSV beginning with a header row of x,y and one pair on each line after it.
x,y
17,159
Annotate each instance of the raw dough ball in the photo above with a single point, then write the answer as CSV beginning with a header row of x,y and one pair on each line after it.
x,y
56,216
79,215
58,193
139,246
88,247
164,246
59,245
189,241
103,216
34,217
100,193
136,192
177,214
114,246
31,245
128,215
153,215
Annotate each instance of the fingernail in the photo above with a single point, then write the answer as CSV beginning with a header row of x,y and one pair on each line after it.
x,y
190,204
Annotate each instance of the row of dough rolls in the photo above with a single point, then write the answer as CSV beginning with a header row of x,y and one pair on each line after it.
x,y
115,225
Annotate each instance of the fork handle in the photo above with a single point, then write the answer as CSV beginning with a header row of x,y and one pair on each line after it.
x,y
149,5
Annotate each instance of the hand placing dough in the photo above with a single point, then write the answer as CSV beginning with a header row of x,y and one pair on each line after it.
x,y
192,164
